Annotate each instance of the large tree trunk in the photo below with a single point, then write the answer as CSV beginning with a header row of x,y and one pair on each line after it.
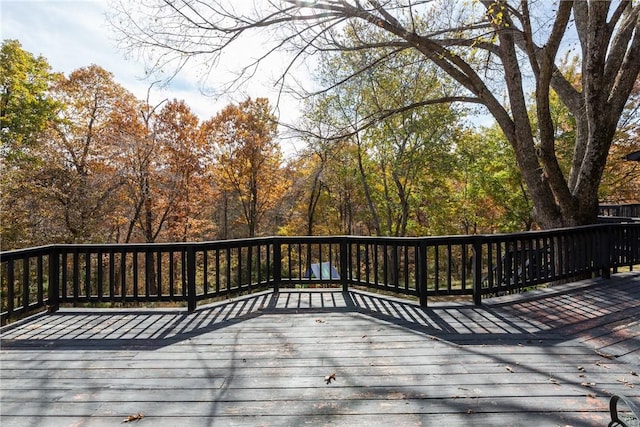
x,y
314,197
607,76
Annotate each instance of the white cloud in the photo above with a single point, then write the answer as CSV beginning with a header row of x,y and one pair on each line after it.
x,y
72,34
75,34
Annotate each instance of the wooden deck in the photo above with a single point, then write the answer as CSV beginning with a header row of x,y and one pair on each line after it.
x,y
545,358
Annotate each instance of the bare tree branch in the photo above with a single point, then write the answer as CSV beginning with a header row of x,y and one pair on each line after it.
x,y
370,120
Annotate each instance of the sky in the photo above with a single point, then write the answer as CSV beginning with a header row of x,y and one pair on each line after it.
x,y
72,34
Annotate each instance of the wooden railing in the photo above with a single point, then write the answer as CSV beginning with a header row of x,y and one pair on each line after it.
x,y
188,273
625,211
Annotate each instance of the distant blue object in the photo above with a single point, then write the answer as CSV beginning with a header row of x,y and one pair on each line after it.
x,y
322,271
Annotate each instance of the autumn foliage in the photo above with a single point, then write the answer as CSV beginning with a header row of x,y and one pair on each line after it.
x,y
84,160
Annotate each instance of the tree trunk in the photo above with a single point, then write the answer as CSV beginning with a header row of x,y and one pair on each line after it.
x,y
314,197
367,192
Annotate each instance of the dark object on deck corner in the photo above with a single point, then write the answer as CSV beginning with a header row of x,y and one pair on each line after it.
x,y
629,419
635,156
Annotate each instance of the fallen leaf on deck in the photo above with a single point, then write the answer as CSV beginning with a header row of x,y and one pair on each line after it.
x,y
509,368
581,368
605,355
634,373
626,383
319,321
131,418
588,384
553,381
470,411
330,378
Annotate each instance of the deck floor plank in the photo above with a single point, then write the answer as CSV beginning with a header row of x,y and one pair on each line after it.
x,y
549,357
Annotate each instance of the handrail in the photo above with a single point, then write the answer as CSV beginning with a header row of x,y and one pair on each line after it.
x,y
629,210
188,273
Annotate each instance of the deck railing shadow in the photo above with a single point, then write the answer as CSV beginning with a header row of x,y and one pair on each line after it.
x,y
108,329
544,318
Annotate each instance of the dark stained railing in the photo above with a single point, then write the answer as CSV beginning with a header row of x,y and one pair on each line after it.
x,y
631,210
189,273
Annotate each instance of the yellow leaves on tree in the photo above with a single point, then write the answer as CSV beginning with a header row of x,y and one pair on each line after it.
x,y
247,160
181,147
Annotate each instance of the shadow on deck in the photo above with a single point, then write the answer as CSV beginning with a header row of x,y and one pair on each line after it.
x,y
547,357
566,312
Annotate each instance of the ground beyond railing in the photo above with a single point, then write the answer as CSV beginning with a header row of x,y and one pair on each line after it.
x,y
188,273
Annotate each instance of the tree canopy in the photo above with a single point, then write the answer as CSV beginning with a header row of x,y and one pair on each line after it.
x,y
103,166
248,158
25,104
498,51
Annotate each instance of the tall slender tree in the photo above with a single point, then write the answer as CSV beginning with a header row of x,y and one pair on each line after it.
x,y
182,176
247,158
80,174
399,156
27,109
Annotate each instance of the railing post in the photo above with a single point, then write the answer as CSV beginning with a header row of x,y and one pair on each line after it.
x,y
11,291
344,264
606,249
635,242
477,270
191,278
277,264
25,284
422,273
53,289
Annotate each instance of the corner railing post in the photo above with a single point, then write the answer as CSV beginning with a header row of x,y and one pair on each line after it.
x,y
634,229
277,264
53,289
422,275
191,279
606,246
477,270
344,263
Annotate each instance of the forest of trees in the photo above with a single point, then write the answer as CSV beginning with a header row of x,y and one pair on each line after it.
x,y
506,58
85,161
